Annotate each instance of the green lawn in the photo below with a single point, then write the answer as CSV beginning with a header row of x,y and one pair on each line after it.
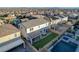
x,y
2,18
44,41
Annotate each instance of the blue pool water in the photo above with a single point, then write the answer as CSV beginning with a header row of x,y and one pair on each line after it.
x,y
65,38
69,35
64,47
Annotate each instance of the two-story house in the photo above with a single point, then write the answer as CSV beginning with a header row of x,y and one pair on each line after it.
x,y
10,37
32,30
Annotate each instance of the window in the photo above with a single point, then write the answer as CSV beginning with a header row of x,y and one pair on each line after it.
x,y
40,31
15,35
31,29
44,29
39,26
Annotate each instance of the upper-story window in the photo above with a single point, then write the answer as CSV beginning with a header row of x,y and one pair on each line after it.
x,y
31,29
38,26
15,35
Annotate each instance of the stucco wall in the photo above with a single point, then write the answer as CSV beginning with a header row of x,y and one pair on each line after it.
x,y
37,27
9,37
11,45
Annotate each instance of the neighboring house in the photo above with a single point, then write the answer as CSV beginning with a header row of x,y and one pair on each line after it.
x,y
73,16
63,18
1,22
10,18
57,19
34,29
24,20
38,16
15,22
10,37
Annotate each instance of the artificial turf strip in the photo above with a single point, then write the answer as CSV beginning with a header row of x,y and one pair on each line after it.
x,y
44,41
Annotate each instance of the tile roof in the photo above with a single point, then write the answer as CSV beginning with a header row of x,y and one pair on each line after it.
x,y
7,29
34,22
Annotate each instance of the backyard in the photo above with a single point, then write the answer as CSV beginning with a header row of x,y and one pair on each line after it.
x,y
44,41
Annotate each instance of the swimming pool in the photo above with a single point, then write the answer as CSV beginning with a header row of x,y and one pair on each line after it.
x,y
64,47
68,35
65,38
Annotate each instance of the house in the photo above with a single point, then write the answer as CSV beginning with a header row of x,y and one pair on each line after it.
x,y
32,30
9,37
1,22
63,18
24,20
73,16
10,18
17,21
55,19
38,16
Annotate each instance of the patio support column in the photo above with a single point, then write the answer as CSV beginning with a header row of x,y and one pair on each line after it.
x,y
40,36
31,41
24,45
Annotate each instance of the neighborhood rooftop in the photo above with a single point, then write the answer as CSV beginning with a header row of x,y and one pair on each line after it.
x,y
34,22
7,29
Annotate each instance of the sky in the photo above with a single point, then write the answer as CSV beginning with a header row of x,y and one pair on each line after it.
x,y
39,3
